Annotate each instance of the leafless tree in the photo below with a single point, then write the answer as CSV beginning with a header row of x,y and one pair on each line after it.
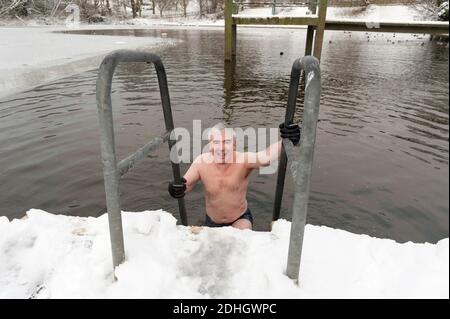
x,y
184,4
8,6
428,7
202,6
164,5
153,6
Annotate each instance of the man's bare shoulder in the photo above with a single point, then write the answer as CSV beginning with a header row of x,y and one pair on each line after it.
x,y
245,157
203,159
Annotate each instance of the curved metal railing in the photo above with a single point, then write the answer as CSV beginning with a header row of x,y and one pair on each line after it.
x,y
300,156
112,170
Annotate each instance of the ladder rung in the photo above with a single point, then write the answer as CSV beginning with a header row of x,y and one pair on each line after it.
x,y
127,163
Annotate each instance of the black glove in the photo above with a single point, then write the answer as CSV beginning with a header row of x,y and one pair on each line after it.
x,y
292,132
177,190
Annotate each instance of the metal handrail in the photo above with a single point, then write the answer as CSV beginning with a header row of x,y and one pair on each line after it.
x,y
300,156
113,170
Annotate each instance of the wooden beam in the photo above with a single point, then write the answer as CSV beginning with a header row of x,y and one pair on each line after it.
x,y
320,29
429,27
275,20
426,27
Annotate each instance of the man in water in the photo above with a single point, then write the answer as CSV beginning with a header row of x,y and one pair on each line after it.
x,y
225,173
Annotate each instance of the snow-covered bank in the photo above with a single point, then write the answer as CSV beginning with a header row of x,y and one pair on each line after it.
x,y
55,256
33,56
395,13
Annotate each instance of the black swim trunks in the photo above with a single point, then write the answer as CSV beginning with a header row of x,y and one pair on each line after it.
x,y
246,215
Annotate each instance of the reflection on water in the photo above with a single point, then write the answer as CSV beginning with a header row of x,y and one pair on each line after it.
x,y
381,161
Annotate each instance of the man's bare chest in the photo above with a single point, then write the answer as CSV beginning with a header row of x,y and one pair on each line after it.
x,y
231,179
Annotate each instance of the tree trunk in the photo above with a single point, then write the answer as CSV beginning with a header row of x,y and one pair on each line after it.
x,y
139,7
153,6
108,7
133,8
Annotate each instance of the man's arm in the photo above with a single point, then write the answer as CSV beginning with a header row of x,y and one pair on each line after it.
x,y
264,157
272,153
192,175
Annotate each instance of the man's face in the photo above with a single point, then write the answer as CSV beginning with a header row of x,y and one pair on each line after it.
x,y
222,146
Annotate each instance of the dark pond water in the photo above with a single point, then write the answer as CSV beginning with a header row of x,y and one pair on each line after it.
x,y
381,160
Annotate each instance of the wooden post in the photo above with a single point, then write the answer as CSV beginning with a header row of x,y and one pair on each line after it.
x,y
229,86
309,40
230,31
320,29
233,40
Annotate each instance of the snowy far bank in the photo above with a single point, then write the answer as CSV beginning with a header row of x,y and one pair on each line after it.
x,y
55,256
33,56
395,13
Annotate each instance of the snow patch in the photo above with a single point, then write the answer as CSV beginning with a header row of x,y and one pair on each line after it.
x,y
57,55
56,256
